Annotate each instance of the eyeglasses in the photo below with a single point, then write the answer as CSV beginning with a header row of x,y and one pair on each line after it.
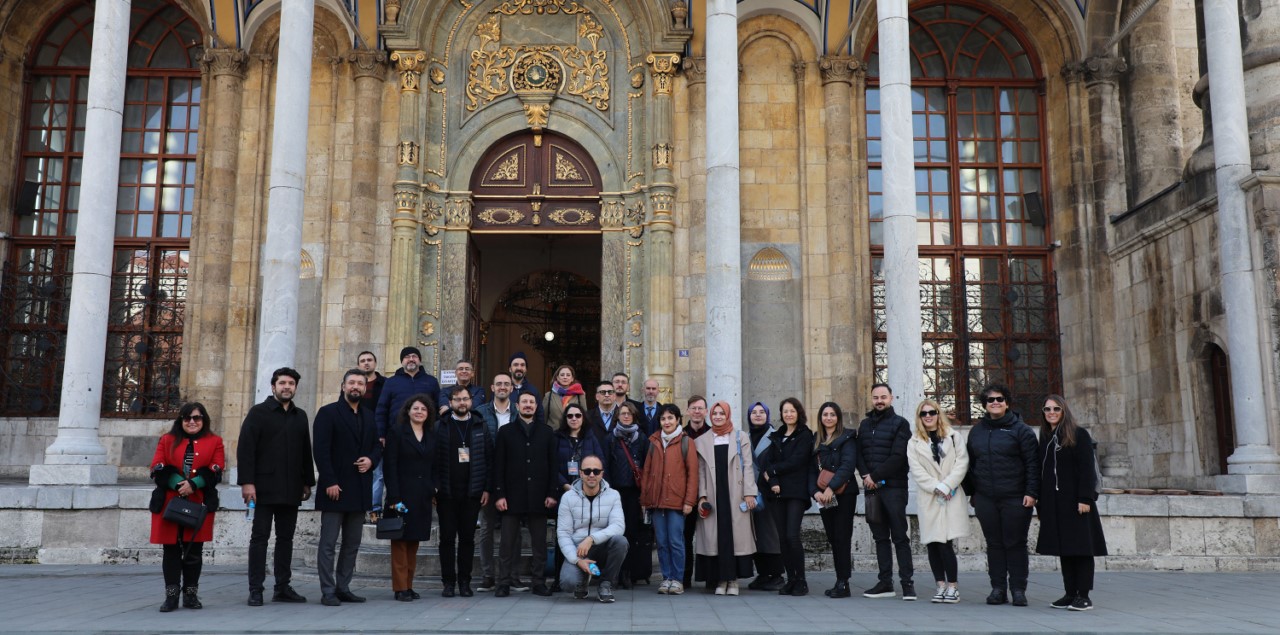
x,y
573,415
592,471
1052,409
928,413
196,418
995,399
604,392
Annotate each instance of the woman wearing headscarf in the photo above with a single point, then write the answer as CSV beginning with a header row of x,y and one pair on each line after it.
x,y
725,540
565,390
768,558
786,484
188,462
628,448
1070,527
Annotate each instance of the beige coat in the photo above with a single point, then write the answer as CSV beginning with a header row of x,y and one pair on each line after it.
x,y
940,520
744,535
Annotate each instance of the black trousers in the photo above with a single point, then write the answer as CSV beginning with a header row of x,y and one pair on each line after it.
x,y
639,564
1005,523
838,524
1077,574
285,519
894,500
942,560
509,549
690,523
457,538
787,514
180,569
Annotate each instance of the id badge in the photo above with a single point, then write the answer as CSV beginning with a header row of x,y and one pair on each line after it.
x,y
464,454
573,468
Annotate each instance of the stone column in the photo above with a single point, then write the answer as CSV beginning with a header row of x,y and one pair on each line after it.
x,y
724,258
282,250
1155,104
402,306
76,456
1261,76
213,231
451,333
661,322
1102,73
901,252
845,290
689,239
613,285
1254,454
369,70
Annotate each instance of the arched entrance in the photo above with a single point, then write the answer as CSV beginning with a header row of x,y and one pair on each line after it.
x,y
536,253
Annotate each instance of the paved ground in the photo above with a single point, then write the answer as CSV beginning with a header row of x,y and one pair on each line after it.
x,y
124,598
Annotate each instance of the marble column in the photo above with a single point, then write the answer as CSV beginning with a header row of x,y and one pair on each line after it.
x,y
614,280
1154,103
1254,454
689,237
661,320
77,456
846,291
451,334
369,71
213,235
724,258
282,250
1261,77
901,252
402,307
1102,74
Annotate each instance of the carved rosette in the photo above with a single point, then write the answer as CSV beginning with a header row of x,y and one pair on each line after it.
x,y
839,69
367,63
663,68
457,213
431,213
224,61
409,65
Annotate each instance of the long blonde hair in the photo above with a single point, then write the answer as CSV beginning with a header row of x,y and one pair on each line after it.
x,y
944,426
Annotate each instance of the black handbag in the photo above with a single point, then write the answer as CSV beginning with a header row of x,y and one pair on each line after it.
x,y
390,527
874,510
185,513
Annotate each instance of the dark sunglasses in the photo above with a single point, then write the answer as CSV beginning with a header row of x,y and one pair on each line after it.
x,y
193,418
1052,409
928,413
573,415
592,471
995,399
604,392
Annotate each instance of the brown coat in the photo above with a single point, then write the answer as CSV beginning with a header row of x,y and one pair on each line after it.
x,y
744,534
669,481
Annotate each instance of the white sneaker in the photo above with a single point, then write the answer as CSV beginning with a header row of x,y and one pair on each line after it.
x,y
952,595
676,588
940,595
733,588
664,587
722,588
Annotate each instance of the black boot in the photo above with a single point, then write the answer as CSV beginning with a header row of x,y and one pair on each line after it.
x,y
170,598
840,590
189,598
801,587
786,588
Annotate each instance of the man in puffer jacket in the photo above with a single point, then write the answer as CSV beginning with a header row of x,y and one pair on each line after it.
x,y
882,462
589,530
1003,484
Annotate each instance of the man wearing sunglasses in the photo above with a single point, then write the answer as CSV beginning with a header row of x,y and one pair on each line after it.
x,y
589,530
1003,484
882,462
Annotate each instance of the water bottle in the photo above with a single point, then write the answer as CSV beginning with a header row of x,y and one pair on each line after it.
x,y
248,513
595,571
401,508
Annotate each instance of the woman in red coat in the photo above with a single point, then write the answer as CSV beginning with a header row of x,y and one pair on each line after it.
x,y
188,462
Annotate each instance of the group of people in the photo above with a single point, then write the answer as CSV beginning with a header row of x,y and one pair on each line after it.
x,y
619,478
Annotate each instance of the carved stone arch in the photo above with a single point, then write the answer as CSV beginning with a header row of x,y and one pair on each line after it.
x,y
779,27
1214,434
473,148
808,24
262,27
1101,22
421,21
24,23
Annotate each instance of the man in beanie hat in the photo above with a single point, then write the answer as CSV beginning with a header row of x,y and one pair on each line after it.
x,y
519,368
411,379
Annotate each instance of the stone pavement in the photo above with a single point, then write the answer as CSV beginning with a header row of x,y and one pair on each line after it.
x,y
124,598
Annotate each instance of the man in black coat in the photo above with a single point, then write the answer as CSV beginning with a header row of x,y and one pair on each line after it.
x,y
464,453
275,475
524,485
649,407
345,442
882,461
602,418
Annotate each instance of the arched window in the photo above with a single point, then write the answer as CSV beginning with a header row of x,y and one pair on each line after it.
x,y
153,214
988,295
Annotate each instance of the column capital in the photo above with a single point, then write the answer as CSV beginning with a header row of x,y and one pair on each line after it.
x,y
457,212
663,68
224,61
367,63
1098,68
839,69
409,64
695,70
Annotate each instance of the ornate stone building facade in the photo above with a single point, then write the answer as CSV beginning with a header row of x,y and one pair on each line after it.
x,y
485,176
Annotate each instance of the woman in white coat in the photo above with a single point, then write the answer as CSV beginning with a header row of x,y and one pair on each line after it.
x,y
938,461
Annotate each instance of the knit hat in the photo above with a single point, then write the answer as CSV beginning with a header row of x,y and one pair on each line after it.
x,y
409,350
517,355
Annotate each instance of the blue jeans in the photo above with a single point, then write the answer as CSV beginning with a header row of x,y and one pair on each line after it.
x,y
377,487
668,530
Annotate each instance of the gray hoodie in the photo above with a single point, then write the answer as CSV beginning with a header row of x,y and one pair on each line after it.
x,y
579,517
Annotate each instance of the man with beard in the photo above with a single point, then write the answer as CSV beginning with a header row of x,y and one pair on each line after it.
x,y
464,371
346,448
495,415
367,362
882,462
519,368
275,474
464,452
410,380
696,427
524,487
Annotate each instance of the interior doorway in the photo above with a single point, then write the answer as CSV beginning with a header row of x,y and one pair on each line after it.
x,y
539,294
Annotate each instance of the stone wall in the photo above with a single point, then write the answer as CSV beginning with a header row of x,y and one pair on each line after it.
x,y
130,444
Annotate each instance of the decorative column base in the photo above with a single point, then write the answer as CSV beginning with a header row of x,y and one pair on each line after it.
x,y
74,475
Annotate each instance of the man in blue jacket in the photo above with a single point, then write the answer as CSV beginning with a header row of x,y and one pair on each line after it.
x,y
410,380
882,462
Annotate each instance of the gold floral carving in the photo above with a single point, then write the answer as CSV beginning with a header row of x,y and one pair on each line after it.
x,y
611,214
571,216
431,215
489,30
536,116
501,216
457,212
539,7
437,75
589,28
637,328
588,75
662,155
663,67
565,170
408,153
508,170
487,75
538,69
409,64
635,215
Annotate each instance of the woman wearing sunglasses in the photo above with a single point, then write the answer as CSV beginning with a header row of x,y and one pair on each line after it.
x,y
938,461
1004,480
1070,527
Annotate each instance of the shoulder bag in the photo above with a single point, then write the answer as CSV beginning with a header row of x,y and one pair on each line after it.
x,y
185,513
391,527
